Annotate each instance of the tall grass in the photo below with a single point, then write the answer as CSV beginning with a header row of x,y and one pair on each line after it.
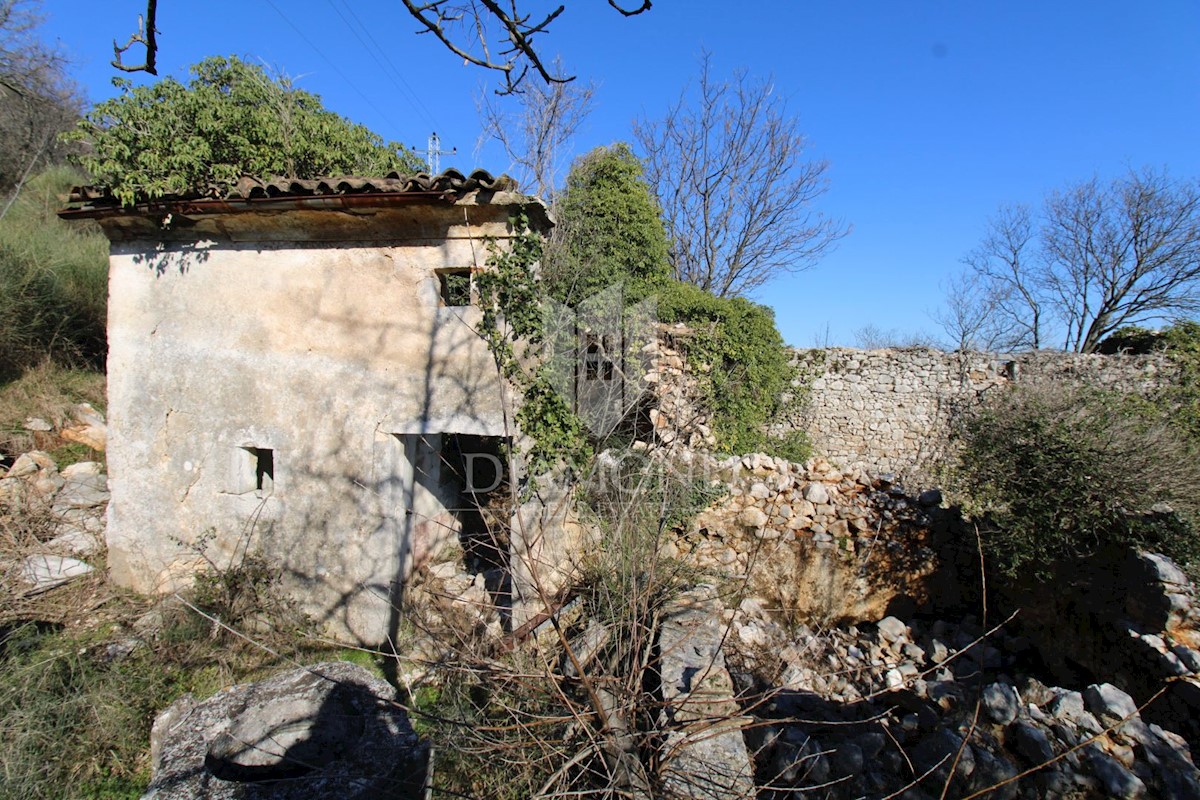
x,y
53,281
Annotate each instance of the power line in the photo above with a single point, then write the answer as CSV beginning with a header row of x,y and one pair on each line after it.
x,y
336,69
389,69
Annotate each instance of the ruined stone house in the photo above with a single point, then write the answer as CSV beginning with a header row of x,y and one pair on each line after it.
x,y
294,370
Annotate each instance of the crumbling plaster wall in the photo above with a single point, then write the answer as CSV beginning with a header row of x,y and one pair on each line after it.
x,y
891,409
335,356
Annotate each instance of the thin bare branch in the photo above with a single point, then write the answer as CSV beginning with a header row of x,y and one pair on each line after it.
x,y
496,36
145,35
537,132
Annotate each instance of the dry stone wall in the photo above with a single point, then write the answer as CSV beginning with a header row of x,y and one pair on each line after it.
x,y
891,409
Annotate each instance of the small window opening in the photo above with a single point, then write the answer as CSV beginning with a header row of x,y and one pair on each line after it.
x,y
254,471
591,362
455,286
264,469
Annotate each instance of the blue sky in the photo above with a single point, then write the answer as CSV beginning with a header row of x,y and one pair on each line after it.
x,y
931,113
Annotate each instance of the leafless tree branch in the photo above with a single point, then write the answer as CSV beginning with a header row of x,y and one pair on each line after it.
x,y
997,303
37,100
145,35
475,29
645,6
1101,256
535,134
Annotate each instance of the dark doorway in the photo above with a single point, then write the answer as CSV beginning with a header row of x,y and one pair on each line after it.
x,y
474,473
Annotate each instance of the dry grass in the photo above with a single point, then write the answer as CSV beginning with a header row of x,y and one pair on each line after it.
x,y
47,391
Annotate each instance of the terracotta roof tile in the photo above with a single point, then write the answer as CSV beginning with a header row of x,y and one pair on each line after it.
x,y
450,182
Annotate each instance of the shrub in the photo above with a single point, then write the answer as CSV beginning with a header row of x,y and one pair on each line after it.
x,y
231,119
609,230
1181,343
1061,471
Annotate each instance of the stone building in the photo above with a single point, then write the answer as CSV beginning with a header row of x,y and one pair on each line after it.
x,y
294,371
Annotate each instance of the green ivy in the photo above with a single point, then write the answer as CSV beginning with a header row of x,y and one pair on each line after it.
x,y
743,365
512,317
1181,344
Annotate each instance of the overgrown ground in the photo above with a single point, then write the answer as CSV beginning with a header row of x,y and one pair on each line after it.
x,y
85,668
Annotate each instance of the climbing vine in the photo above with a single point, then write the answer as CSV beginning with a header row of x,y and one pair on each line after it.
x,y
514,327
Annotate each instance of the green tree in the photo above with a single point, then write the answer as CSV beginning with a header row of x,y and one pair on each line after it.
x,y
609,230
231,119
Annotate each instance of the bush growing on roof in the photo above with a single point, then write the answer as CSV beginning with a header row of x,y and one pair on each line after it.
x,y
230,119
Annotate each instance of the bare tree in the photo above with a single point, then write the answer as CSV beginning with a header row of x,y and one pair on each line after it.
x,y
966,313
1103,256
735,186
535,134
37,101
497,34
999,300
872,337
1122,254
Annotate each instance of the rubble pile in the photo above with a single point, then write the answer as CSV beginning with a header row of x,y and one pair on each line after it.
x,y
814,541
55,517
867,710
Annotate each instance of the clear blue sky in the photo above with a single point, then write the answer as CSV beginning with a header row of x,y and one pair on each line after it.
x,y
932,113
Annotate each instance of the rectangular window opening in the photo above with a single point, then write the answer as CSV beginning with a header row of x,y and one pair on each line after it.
x,y
264,470
455,287
254,471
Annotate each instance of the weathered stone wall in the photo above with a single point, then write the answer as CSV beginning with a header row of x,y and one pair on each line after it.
x,y
891,409
282,388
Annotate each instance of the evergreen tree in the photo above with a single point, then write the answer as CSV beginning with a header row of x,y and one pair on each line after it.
x,y
609,230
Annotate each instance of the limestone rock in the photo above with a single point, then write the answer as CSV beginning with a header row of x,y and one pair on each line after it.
x,y
44,572
81,470
81,490
1109,703
817,494
30,463
892,629
86,427
1001,702
74,540
753,517
1032,743
316,733
703,759
1115,779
